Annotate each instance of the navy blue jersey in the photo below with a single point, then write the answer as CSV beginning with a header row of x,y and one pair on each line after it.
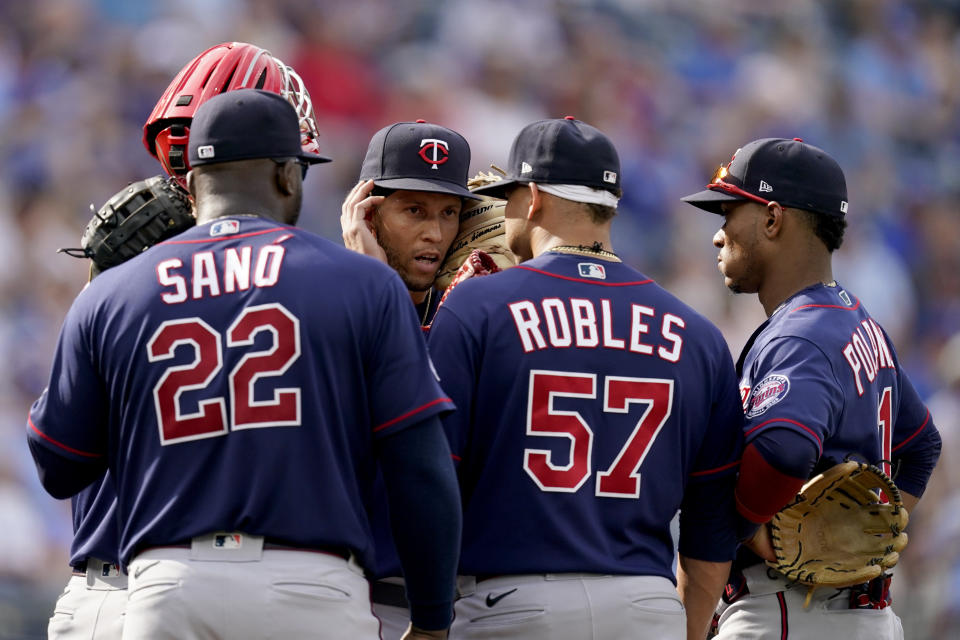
x,y
236,378
821,367
96,532
592,405
388,562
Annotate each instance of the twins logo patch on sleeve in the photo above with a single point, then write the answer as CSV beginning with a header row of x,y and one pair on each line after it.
x,y
767,393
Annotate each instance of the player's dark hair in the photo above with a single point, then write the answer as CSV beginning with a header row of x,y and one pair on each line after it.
x,y
828,228
600,213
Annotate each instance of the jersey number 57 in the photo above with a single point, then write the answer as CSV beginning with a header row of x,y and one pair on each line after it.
x,y
622,478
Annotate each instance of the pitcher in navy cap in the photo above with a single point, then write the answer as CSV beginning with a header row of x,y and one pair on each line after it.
x,y
243,391
820,382
592,406
405,210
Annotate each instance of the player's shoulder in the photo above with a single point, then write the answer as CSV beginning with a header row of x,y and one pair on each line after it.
x,y
338,254
321,254
820,313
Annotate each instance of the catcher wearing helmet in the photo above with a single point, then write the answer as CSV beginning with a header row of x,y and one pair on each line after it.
x,y
224,67
147,212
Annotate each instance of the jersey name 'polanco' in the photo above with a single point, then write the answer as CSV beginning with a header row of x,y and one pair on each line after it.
x,y
577,322
867,351
238,271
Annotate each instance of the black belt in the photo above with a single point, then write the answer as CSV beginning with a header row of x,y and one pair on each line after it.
x,y
280,545
389,594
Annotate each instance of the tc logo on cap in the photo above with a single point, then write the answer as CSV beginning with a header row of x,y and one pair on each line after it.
x,y
434,151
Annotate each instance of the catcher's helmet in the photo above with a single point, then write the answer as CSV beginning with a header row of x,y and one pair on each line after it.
x,y
224,67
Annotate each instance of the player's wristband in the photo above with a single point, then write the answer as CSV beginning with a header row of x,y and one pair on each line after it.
x,y
432,617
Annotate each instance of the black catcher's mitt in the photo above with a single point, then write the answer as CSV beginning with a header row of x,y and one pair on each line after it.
x,y
133,220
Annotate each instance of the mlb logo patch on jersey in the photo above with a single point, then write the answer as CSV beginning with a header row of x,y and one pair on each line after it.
x,y
224,227
592,270
227,541
767,393
845,297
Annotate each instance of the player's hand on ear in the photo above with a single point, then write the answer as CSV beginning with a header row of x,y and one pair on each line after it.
x,y
355,221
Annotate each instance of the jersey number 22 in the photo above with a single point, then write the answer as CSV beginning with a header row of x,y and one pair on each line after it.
x,y
210,419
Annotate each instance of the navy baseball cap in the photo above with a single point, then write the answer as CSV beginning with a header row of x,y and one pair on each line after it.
x,y
790,172
418,156
246,124
560,151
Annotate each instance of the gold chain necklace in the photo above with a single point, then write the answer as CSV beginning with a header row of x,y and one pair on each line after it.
x,y
426,309
594,251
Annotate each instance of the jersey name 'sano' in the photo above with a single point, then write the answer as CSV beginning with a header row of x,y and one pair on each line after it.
x,y
241,270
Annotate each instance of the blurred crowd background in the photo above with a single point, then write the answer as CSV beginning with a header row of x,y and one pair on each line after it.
x,y
677,84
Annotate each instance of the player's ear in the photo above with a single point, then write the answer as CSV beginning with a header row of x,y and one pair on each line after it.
x,y
773,219
287,176
191,185
535,200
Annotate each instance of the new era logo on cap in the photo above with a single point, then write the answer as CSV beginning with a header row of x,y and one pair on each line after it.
x,y
765,187
525,168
